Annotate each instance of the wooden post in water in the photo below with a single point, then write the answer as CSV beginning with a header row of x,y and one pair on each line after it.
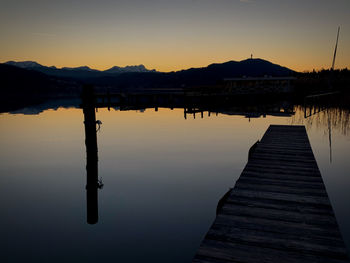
x,y
92,184
109,99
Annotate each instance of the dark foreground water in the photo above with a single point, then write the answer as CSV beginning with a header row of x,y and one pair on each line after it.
x,y
162,175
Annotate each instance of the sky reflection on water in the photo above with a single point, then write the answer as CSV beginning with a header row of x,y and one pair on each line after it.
x,y
163,176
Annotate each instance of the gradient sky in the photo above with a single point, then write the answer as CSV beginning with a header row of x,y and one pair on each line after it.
x,y
172,35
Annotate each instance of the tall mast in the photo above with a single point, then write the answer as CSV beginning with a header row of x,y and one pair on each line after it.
x,y
335,49
328,112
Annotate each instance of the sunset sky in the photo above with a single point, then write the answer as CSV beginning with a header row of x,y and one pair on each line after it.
x,y
172,35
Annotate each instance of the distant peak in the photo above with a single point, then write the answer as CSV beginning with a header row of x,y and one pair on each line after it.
x,y
83,68
254,60
135,68
24,64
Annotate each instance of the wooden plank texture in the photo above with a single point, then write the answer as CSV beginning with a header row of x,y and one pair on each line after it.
x,y
278,211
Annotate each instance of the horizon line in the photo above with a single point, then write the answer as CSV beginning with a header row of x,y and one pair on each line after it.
x,y
156,70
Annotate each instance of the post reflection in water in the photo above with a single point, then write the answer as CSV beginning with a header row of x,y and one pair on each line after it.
x,y
92,182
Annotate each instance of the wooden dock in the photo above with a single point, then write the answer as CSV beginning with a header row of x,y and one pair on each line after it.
x,y
279,209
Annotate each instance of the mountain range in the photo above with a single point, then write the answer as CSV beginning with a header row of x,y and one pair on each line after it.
x,y
134,77
77,72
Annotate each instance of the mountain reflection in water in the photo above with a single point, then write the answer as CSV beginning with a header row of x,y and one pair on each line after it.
x,y
164,171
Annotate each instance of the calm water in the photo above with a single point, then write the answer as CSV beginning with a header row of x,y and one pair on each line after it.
x,y
162,175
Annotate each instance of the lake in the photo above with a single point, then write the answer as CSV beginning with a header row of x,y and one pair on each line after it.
x,y
162,177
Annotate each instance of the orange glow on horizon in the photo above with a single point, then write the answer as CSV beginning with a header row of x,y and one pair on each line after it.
x,y
161,66
169,37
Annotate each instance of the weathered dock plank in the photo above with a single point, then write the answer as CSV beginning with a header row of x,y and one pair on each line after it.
x,y
278,211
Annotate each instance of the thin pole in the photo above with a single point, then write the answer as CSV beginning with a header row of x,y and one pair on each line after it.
x,y
335,49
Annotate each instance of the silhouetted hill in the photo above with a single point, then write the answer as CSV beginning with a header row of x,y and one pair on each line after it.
x,y
233,69
249,67
22,80
17,81
21,87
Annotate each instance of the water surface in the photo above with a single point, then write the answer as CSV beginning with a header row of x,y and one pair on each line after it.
x,y
163,176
